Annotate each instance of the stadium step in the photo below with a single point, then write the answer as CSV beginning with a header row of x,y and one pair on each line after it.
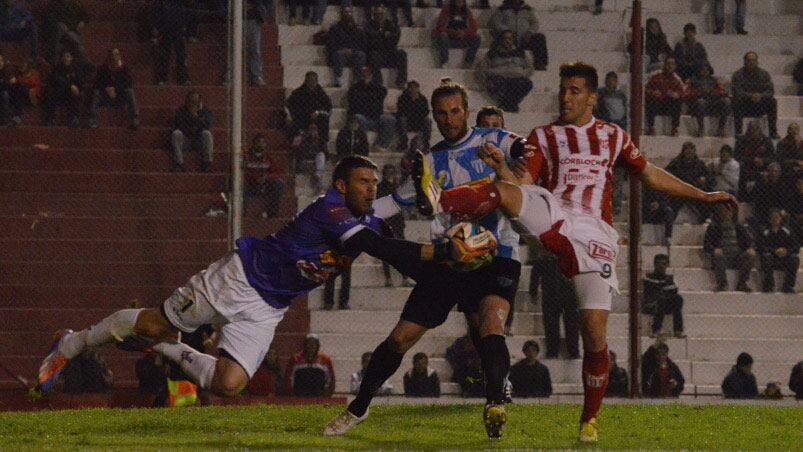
x,y
130,251
75,295
110,182
125,30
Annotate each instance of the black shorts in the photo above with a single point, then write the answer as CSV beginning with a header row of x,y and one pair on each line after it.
x,y
439,289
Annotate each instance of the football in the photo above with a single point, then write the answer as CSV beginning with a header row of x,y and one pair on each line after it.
x,y
472,238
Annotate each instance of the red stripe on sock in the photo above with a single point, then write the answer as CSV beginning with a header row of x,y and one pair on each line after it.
x,y
471,202
595,381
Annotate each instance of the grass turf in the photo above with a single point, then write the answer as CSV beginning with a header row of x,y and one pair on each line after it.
x,y
403,427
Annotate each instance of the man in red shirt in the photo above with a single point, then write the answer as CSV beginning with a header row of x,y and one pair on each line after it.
x,y
310,373
263,177
570,212
664,94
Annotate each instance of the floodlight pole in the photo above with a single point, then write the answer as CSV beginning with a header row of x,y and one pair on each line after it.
x,y
236,116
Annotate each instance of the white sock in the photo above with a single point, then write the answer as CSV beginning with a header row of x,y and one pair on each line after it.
x,y
115,327
199,366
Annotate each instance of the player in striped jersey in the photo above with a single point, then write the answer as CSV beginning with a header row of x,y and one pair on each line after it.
x,y
484,295
570,212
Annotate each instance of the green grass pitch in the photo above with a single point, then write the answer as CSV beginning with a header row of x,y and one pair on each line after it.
x,y
454,427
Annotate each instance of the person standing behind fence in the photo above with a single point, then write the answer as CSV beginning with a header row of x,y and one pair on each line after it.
x,y
170,19
738,18
191,130
740,383
661,295
754,95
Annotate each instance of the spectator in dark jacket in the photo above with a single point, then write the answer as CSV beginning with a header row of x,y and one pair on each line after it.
x,y
729,245
366,101
170,21
666,380
310,103
707,96
690,168
618,380
390,181
412,115
113,86
87,373
310,373
612,103
256,12
518,17
655,209
351,140
754,95
309,151
460,355
797,76
740,383
779,251
64,87
191,130
64,20
383,35
661,297
263,177
789,152
689,52
754,151
664,95
771,192
14,95
529,377
346,43
507,72
17,24
656,47
456,28
796,380
421,381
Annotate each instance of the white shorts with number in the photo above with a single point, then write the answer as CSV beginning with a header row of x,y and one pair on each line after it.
x,y
586,246
221,295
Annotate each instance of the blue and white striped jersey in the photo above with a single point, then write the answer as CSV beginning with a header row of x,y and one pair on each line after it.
x,y
458,164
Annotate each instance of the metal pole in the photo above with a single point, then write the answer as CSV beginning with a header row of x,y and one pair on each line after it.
x,y
635,204
236,120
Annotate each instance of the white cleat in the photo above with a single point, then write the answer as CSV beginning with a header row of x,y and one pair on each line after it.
x,y
344,422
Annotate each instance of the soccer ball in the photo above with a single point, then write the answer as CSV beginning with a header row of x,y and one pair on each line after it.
x,y
472,238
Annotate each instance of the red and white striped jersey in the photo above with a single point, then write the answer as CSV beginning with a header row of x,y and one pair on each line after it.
x,y
576,163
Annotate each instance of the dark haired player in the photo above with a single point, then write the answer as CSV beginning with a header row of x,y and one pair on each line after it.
x,y
248,291
570,212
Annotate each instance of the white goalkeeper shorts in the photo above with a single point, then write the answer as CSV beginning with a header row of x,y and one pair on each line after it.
x,y
586,246
221,295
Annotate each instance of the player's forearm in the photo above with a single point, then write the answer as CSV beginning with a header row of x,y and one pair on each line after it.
x,y
660,180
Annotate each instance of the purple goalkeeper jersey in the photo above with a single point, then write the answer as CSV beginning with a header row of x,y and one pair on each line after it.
x,y
305,252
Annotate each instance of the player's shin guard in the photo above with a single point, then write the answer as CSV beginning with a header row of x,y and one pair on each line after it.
x,y
595,380
384,363
199,366
115,327
471,202
496,365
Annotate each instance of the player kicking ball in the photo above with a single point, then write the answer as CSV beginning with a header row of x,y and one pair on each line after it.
x,y
248,291
570,212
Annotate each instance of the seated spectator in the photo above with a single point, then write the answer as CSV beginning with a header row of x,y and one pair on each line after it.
x,y
356,378
309,151
655,209
456,28
491,116
191,130
529,377
612,103
87,373
351,140
170,21
152,373
729,245
689,168
661,297
390,182
17,24
649,360
309,103
64,87
656,47
383,46
64,20
263,178
796,380
460,355
618,380
558,300
472,383
754,151
779,251
664,96
393,5
666,380
318,11
113,86
754,95
724,171
346,44
690,53
797,76
507,72
789,152
267,380
13,95
740,383
421,381
517,17
707,96
366,101
771,192
412,115
310,373
738,18
29,77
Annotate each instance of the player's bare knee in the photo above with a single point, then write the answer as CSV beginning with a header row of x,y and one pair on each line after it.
x,y
227,383
404,336
151,323
593,324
